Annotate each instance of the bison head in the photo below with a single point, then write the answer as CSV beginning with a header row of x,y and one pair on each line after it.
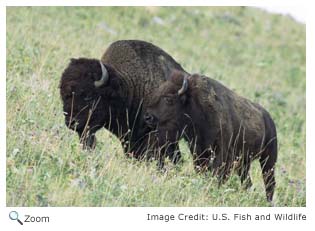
x,y
166,110
86,95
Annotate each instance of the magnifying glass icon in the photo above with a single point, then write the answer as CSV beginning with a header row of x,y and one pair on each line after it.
x,y
13,215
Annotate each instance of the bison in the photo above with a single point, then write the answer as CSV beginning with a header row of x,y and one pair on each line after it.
x,y
224,130
113,93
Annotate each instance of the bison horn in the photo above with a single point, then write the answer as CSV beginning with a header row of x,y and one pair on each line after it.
x,y
184,86
104,78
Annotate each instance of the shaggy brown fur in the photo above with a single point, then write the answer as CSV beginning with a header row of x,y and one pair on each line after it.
x,y
135,68
225,131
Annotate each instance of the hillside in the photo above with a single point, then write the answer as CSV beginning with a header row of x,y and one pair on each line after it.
x,y
259,55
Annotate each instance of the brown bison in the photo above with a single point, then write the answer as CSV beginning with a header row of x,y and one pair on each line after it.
x,y
113,93
225,131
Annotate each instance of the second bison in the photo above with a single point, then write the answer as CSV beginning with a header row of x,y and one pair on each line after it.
x,y
224,130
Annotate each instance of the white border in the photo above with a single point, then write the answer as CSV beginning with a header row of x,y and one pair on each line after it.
x,y
154,3
134,218
310,107
3,106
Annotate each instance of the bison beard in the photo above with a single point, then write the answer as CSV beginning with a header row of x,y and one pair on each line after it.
x,y
114,93
224,131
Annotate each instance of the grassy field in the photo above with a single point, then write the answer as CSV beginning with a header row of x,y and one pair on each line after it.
x,y
260,56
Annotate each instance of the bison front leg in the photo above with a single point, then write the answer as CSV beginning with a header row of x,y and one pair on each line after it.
x,y
243,172
167,144
221,161
88,140
169,147
141,148
242,165
201,162
174,154
200,154
165,150
170,150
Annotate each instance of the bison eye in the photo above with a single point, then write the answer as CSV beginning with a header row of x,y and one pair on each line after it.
x,y
69,95
88,98
169,100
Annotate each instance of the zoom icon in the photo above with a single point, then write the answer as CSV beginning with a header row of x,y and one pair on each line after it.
x,y
14,216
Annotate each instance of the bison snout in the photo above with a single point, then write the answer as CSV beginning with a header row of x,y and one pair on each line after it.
x,y
150,119
72,124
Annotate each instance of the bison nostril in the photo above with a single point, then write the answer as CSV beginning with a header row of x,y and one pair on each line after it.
x,y
71,123
149,118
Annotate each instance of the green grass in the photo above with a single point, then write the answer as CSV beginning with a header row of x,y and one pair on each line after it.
x,y
260,56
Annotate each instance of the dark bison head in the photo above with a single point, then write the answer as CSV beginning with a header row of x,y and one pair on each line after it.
x,y
85,94
167,106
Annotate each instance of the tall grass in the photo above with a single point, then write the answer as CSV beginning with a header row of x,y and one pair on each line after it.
x,y
260,56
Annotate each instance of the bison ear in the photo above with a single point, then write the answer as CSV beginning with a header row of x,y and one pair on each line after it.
x,y
73,60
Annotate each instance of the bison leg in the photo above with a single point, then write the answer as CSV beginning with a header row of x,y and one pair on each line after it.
x,y
175,155
268,157
242,165
136,150
161,162
201,155
221,172
167,150
220,166
201,161
140,147
88,140
267,163
243,171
